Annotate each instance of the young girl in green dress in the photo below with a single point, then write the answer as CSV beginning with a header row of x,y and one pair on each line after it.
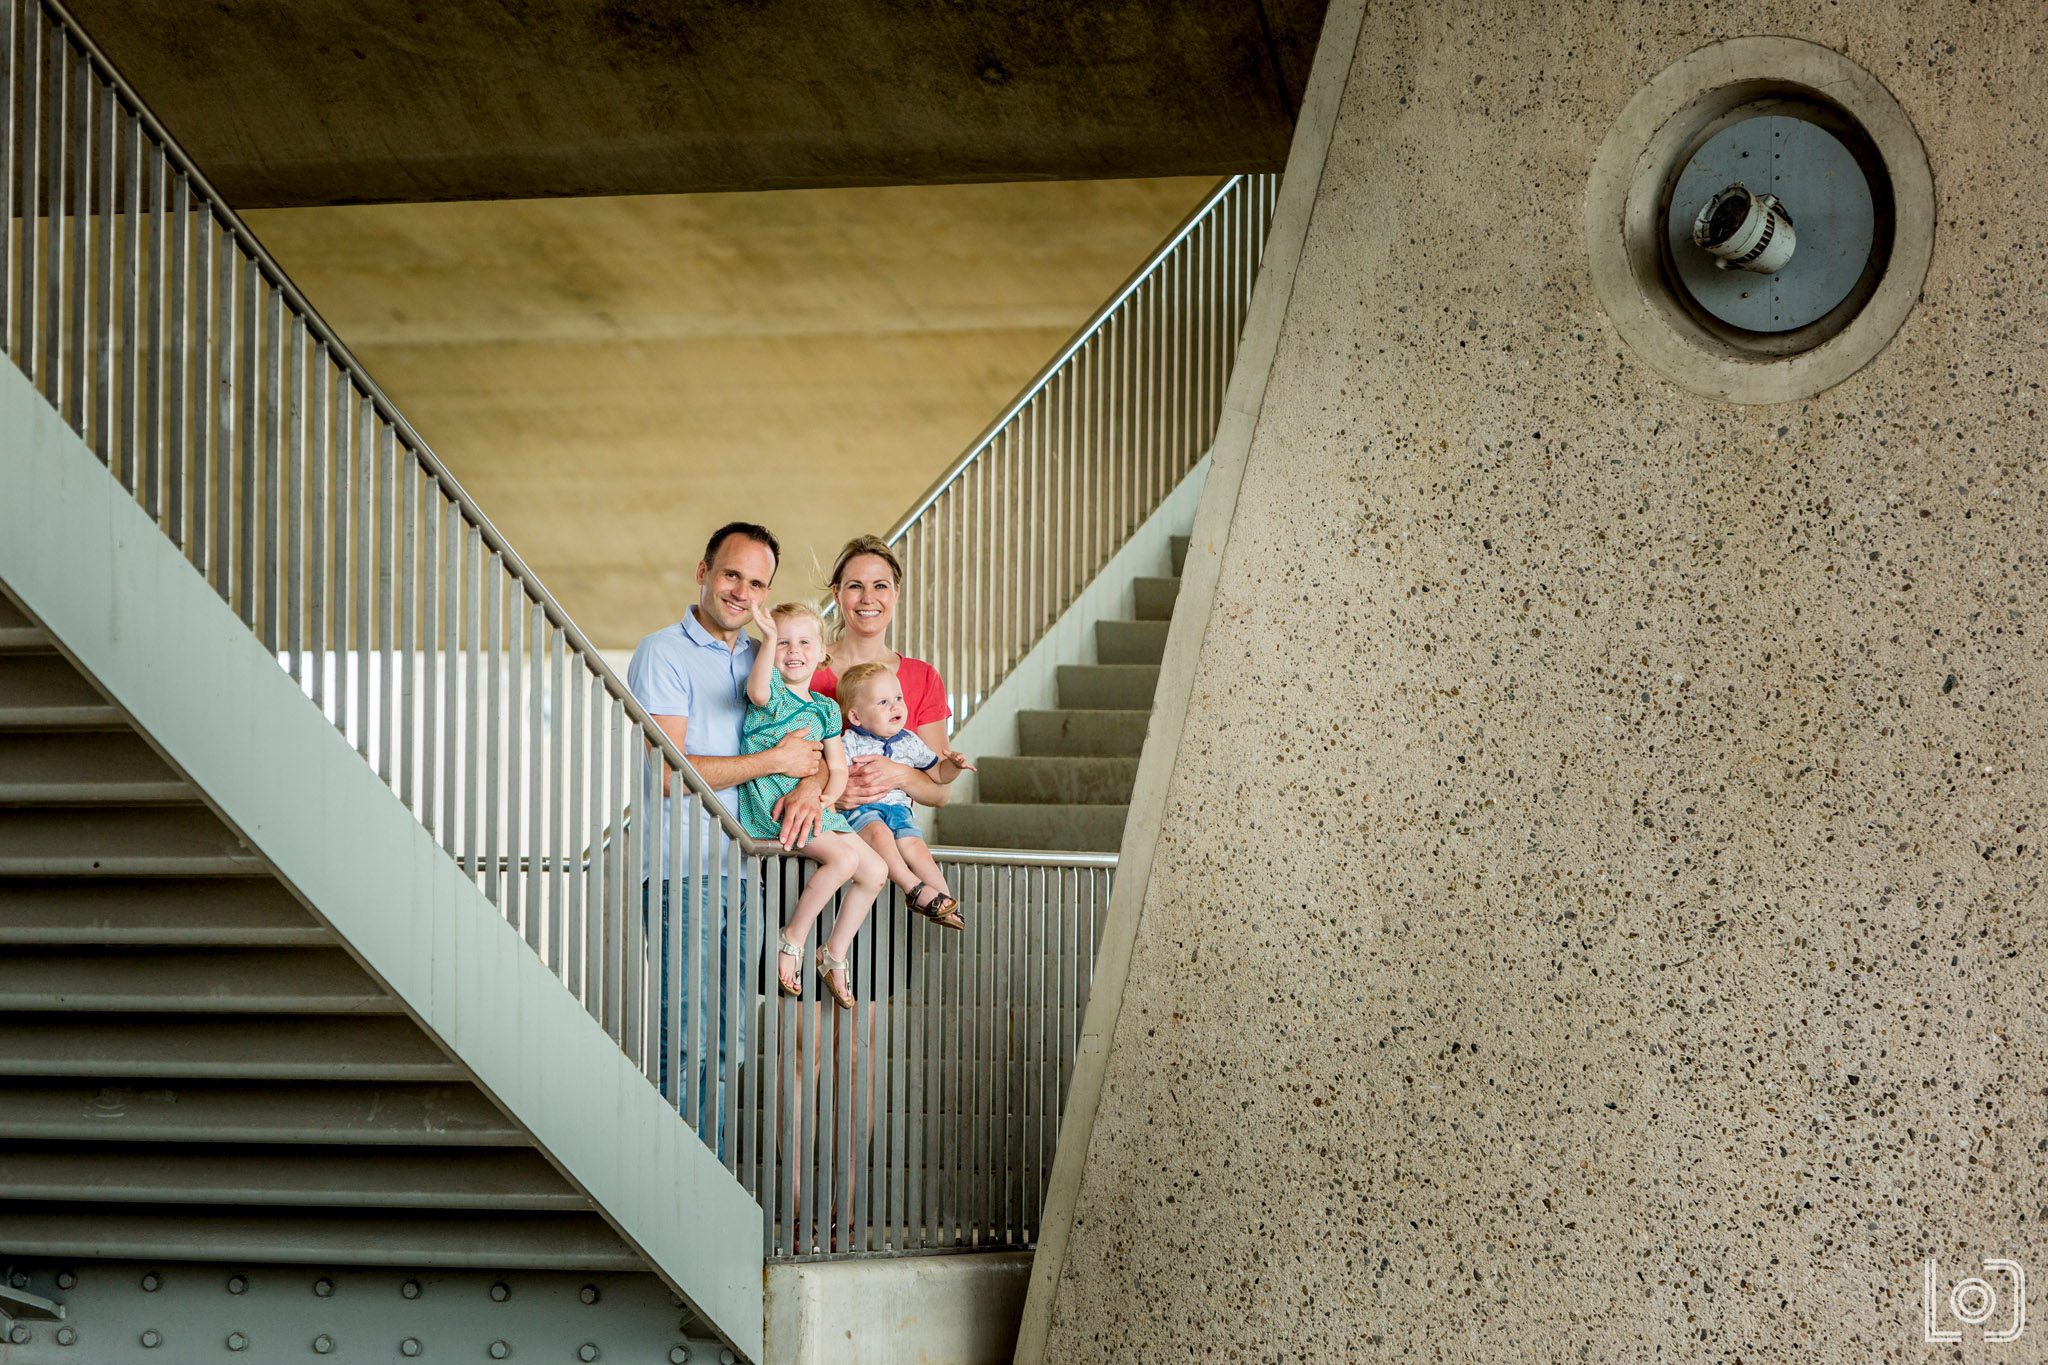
x,y
781,703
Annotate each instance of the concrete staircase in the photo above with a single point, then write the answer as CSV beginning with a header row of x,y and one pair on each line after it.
x,y
1069,786
191,1063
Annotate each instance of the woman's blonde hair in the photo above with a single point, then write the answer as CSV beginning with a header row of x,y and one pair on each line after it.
x,y
864,545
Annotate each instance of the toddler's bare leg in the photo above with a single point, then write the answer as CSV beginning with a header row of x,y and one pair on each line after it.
x,y
915,854
877,837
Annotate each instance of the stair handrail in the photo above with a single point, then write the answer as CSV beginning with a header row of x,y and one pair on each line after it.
x,y
387,411
1003,541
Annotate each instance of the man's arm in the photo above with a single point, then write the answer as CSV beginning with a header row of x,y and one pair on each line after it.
x,y
796,756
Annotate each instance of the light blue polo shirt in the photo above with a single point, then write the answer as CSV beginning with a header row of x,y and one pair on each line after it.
x,y
683,670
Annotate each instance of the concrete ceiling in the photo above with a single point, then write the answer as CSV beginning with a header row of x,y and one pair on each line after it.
x,y
301,102
611,378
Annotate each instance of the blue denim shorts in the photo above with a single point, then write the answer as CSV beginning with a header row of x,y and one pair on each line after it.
x,y
899,819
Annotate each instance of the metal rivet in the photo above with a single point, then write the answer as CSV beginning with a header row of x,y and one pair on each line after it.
x,y
237,1342
587,1351
19,1279
409,1347
499,1350
67,1336
238,1284
19,1336
678,1355
65,1279
500,1292
152,1282
152,1339
588,1293
411,1289
324,1288
726,1358
322,1344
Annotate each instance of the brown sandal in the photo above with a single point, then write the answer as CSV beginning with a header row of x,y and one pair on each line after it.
x,y
827,965
940,908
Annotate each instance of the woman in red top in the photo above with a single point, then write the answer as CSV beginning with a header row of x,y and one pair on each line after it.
x,y
865,581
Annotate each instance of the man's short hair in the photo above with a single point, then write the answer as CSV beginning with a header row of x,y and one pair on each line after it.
x,y
751,530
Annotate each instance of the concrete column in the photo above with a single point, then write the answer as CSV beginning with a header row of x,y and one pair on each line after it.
x,y
1594,909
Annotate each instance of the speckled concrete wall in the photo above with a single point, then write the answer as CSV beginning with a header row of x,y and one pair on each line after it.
x,y
1597,914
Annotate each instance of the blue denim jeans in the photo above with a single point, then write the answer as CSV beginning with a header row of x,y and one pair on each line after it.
x,y
717,939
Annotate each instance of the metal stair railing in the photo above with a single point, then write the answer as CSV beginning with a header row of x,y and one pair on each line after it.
x,y
1034,508
150,317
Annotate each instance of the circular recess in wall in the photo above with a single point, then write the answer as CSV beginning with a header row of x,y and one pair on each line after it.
x,y
1760,219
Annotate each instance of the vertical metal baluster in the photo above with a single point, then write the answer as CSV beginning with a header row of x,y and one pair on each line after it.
x,y
100,381
493,588
11,206
155,437
213,377
518,908
346,604
292,569
540,912
674,904
433,696
417,496
320,585
56,110
559,723
388,459
246,502
625,940
472,711
134,283
895,1214
452,794
29,177
610,770
363,436
1030,910
79,364
610,802
181,467
617,944
268,514
773,1147
579,748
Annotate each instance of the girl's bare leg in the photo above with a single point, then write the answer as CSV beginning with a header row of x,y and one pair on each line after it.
x,y
863,883
838,858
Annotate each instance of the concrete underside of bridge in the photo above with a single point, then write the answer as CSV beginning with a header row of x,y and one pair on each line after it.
x,y
347,101
1611,929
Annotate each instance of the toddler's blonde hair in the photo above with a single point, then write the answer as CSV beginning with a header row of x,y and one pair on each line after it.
x,y
858,677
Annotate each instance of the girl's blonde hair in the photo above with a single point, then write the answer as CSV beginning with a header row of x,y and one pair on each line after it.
x,y
784,611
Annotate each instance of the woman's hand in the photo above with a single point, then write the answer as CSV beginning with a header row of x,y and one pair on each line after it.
x,y
867,779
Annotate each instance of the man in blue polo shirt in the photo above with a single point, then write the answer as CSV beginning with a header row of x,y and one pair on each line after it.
x,y
692,678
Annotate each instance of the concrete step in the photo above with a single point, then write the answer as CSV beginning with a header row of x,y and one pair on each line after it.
x,y
44,692
277,1113
1082,734
1107,687
1180,554
317,1177
190,912
120,841
1075,829
1155,598
305,1047
1130,642
1057,781
189,981
113,767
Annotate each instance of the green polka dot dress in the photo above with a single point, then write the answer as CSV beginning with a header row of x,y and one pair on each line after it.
x,y
764,728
